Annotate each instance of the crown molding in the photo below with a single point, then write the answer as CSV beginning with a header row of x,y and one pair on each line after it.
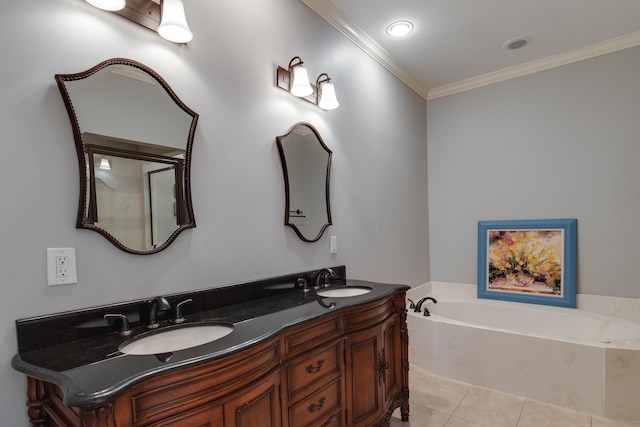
x,y
564,58
326,10
340,22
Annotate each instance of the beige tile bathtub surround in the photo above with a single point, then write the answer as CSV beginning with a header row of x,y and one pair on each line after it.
x,y
604,381
625,308
622,370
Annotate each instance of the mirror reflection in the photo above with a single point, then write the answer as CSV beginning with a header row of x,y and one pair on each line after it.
x,y
133,138
306,165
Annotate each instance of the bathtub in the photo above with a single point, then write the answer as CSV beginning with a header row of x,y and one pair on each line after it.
x,y
574,358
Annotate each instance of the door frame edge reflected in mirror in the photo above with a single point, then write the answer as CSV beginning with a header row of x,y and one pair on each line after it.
x,y
83,163
285,172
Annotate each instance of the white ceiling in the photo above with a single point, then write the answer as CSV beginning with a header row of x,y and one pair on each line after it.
x,y
457,44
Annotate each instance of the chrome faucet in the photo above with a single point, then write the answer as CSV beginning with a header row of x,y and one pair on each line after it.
x,y
327,273
157,304
422,301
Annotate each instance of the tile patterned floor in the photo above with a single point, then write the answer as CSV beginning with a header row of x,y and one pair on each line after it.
x,y
440,402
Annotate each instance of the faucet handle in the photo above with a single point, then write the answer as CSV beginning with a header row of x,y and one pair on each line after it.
x,y
179,318
302,283
125,330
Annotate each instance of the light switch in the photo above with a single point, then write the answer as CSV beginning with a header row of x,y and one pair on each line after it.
x,y
333,244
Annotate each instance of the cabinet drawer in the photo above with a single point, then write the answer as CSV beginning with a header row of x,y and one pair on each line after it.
x,y
171,394
310,371
210,416
311,334
335,420
368,315
317,406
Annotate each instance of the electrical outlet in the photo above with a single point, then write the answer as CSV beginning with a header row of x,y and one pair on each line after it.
x,y
333,245
61,266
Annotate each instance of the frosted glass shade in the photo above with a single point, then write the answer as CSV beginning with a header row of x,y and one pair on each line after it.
x,y
173,24
300,85
104,164
328,99
110,5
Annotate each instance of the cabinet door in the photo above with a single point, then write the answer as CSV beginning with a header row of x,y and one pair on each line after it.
x,y
391,360
256,406
364,399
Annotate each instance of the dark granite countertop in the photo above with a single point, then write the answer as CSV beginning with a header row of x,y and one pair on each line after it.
x,y
89,368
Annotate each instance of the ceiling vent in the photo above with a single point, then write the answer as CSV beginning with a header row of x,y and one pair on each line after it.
x,y
517,43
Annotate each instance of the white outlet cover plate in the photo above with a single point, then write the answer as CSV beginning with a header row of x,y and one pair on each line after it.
x,y
71,276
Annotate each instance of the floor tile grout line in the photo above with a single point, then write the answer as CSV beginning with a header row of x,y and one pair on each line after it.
x,y
524,403
458,405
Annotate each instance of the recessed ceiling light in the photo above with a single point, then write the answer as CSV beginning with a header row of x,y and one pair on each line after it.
x,y
400,28
517,43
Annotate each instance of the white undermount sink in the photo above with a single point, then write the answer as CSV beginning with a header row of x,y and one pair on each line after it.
x,y
344,291
175,339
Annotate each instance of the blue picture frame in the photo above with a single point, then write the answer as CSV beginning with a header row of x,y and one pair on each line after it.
x,y
529,261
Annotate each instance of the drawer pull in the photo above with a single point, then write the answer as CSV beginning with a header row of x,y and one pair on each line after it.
x,y
317,407
315,369
331,420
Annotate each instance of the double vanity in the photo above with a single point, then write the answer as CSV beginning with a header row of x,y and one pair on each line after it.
x,y
284,351
301,350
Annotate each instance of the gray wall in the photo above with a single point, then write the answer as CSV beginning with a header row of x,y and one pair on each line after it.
x,y
557,144
226,74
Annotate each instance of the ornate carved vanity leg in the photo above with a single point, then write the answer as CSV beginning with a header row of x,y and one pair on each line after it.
x,y
397,402
404,335
36,395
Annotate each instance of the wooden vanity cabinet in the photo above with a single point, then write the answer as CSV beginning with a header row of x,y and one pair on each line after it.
x,y
240,390
349,368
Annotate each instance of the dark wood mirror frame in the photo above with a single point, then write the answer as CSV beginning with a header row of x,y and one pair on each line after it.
x,y
185,215
288,212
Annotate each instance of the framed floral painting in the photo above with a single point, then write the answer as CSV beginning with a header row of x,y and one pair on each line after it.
x,y
531,261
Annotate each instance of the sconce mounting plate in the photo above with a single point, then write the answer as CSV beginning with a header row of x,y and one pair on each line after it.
x,y
143,12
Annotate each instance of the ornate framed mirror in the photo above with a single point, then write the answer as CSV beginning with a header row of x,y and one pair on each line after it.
x,y
306,166
134,138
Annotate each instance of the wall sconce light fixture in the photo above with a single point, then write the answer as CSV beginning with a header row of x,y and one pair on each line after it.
x,y
110,5
326,93
295,80
173,26
166,17
299,84
104,164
